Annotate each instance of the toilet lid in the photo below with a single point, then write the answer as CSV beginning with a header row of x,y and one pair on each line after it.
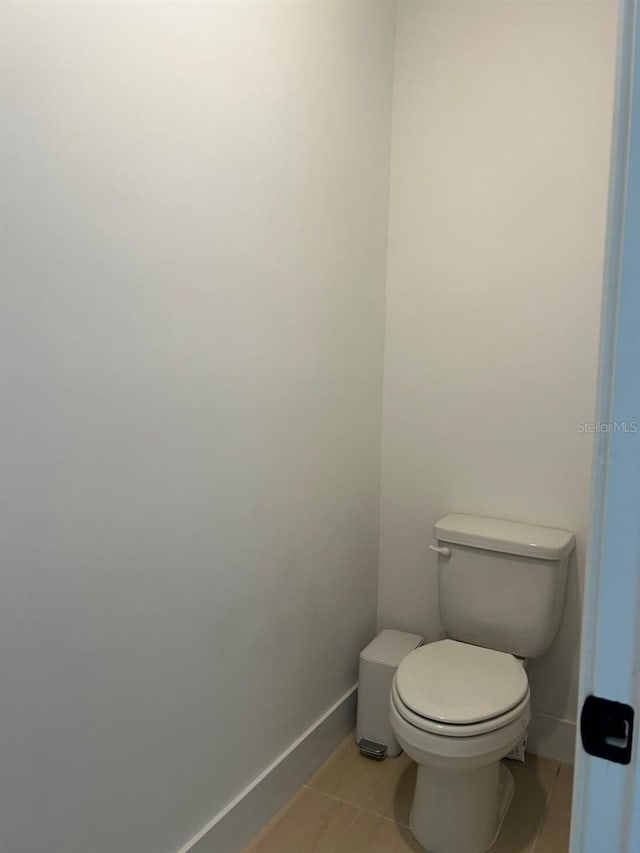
x,y
459,683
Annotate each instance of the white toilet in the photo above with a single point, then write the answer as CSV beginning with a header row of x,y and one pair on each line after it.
x,y
460,705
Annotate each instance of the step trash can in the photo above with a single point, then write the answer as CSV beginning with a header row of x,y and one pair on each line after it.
x,y
378,663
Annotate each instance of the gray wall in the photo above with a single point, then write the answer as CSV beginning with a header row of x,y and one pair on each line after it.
x,y
195,220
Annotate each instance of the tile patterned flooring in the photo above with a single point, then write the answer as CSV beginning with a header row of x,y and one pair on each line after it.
x,y
355,805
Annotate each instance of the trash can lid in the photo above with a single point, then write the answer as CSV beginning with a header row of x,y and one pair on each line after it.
x,y
390,647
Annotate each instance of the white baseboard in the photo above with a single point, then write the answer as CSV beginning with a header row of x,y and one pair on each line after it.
x,y
232,828
552,737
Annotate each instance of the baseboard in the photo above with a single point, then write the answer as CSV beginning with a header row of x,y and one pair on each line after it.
x,y
552,737
232,828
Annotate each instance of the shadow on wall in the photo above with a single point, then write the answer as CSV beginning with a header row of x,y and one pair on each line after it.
x,y
554,688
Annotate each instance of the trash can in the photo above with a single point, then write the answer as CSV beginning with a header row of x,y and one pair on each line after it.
x,y
378,663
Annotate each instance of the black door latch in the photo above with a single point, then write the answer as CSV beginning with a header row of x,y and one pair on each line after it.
x,y
606,728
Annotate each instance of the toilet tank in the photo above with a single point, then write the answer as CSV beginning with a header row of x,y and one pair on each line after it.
x,y
502,584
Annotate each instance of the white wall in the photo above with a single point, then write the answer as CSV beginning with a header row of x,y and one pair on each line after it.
x,y
501,132
195,214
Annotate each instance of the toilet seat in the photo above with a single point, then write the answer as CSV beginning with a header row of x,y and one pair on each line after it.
x,y
457,730
458,689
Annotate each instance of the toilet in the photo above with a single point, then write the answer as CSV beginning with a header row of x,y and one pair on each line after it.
x,y
461,704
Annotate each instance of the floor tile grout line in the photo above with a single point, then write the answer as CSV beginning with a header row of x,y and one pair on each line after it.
x,y
356,816
360,808
373,794
543,817
286,808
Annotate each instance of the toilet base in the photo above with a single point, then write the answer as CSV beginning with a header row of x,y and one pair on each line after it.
x,y
460,811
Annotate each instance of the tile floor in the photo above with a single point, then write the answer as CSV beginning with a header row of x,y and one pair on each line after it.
x,y
355,805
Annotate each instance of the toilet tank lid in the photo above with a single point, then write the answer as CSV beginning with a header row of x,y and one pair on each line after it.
x,y
507,537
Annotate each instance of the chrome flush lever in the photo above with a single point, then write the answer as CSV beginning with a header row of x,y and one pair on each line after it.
x,y
440,549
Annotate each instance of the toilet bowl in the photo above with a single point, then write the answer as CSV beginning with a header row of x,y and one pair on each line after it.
x,y
457,710
458,706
